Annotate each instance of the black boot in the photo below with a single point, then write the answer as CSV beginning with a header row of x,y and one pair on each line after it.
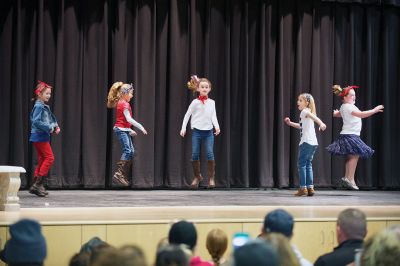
x,y
120,174
37,188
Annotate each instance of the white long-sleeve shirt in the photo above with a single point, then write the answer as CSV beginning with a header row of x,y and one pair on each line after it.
x,y
204,116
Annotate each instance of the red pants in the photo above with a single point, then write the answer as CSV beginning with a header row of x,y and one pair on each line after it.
x,y
45,158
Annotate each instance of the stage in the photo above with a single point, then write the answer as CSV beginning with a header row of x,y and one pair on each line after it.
x,y
143,217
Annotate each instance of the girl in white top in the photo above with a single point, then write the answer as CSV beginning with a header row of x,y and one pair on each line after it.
x,y
308,142
349,142
204,120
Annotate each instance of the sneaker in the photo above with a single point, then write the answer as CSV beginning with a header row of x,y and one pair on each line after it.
x,y
301,192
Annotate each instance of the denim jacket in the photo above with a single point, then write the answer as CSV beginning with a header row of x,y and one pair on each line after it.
x,y
42,119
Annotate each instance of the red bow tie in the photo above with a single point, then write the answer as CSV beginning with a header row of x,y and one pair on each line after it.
x,y
202,98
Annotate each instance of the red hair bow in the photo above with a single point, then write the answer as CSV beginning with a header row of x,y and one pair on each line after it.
x,y
347,89
41,86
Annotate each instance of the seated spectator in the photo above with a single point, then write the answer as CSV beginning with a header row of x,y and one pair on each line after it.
x,y
125,256
26,246
280,221
351,229
255,253
184,232
285,252
80,259
88,252
135,254
217,243
173,255
383,249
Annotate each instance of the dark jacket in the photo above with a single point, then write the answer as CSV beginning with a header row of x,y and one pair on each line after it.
x,y
341,255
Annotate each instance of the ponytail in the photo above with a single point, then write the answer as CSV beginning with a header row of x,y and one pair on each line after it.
x,y
114,94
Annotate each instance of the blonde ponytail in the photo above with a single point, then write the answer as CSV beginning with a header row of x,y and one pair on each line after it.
x,y
114,94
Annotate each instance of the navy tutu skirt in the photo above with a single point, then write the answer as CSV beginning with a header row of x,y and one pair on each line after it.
x,y
350,144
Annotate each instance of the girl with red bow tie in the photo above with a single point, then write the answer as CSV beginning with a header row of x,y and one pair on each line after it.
x,y
43,123
203,121
349,143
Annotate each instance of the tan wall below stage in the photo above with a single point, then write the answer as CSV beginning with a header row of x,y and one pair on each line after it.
x,y
312,238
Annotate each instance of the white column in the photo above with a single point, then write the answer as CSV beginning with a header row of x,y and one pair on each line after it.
x,y
10,183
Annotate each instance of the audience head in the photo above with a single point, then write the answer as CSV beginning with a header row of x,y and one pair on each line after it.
x,y
216,243
80,259
173,255
93,243
26,245
285,251
383,248
134,254
124,256
279,221
183,232
351,224
255,253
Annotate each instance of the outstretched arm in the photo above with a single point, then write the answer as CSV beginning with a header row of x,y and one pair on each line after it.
x,y
290,123
321,124
336,113
365,114
133,122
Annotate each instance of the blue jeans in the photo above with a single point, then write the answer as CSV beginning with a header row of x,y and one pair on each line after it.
x,y
304,164
126,143
199,136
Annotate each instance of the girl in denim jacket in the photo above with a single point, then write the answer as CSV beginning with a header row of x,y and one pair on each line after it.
x,y
203,121
308,142
119,97
43,123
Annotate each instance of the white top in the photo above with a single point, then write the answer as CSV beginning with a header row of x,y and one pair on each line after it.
x,y
307,129
204,116
351,124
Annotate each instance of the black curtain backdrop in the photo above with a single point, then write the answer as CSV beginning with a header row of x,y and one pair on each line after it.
x,y
259,56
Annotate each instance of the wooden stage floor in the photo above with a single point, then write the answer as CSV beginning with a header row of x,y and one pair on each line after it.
x,y
163,206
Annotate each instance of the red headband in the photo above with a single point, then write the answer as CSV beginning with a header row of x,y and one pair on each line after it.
x,y
41,86
346,90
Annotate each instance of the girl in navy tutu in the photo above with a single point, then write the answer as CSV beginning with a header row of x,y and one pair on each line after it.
x,y
349,142
308,142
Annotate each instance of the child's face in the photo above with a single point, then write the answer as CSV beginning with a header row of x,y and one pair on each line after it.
x,y
204,88
128,96
301,103
350,97
45,95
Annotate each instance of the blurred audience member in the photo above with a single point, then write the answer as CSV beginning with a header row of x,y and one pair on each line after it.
x,y
217,243
280,221
26,246
351,229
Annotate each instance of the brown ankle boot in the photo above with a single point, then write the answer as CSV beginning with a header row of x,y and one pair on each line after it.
x,y
37,188
197,174
310,191
119,176
211,173
301,192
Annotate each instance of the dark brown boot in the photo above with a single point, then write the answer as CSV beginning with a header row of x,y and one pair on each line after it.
x,y
119,176
211,173
37,188
197,174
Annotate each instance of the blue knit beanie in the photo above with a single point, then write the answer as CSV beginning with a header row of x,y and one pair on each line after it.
x,y
26,245
279,221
